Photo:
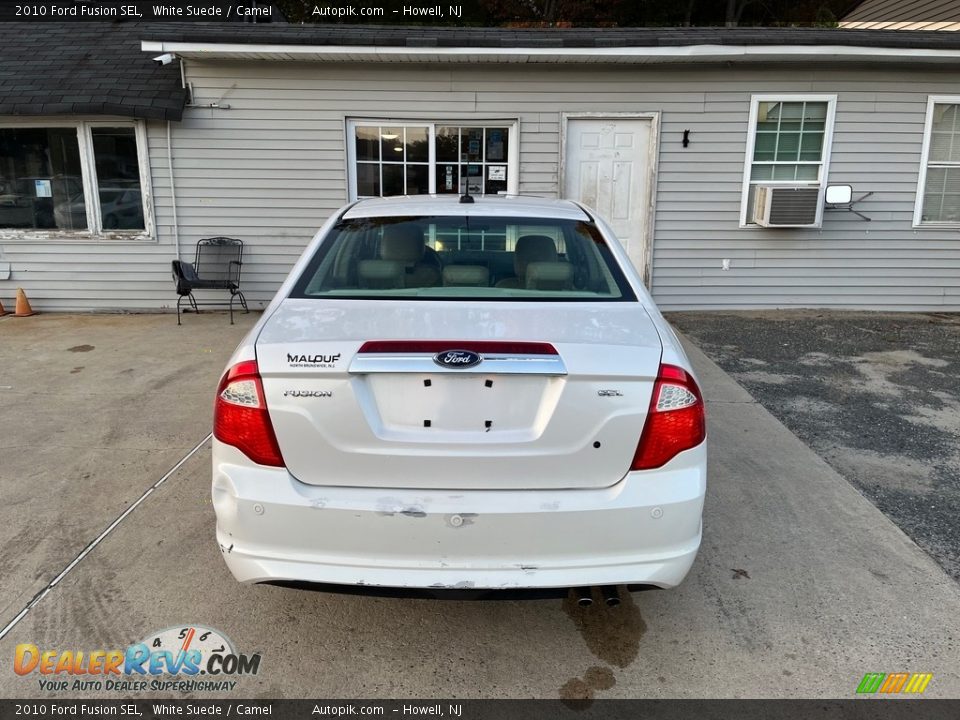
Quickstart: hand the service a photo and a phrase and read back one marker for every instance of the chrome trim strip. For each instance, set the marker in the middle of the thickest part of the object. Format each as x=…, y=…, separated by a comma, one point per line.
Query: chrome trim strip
x=493, y=364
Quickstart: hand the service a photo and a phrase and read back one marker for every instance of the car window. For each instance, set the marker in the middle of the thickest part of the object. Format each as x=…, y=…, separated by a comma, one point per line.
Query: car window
x=464, y=258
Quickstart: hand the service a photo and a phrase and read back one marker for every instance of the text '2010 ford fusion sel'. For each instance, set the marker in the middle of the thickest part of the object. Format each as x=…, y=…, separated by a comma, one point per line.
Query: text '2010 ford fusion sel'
x=448, y=395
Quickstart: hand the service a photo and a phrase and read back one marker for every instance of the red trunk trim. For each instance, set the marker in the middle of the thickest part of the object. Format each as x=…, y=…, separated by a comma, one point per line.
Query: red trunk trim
x=492, y=347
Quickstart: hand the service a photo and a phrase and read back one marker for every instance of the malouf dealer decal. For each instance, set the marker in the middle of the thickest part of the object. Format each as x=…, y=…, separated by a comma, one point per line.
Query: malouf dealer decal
x=312, y=361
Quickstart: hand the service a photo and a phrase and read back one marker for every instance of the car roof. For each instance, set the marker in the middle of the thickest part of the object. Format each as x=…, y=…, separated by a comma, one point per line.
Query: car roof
x=483, y=206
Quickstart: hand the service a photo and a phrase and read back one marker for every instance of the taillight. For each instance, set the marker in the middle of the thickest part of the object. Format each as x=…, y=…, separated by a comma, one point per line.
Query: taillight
x=675, y=421
x=240, y=416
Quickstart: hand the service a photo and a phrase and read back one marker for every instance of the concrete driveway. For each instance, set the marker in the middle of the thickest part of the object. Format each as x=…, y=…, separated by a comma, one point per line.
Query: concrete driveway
x=801, y=587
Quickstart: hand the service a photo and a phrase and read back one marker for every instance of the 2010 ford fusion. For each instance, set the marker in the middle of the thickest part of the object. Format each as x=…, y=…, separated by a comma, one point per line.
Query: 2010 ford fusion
x=460, y=394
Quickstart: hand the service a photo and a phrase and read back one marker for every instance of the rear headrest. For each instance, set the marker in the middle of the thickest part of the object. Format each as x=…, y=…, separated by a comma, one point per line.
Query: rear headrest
x=380, y=274
x=402, y=242
x=466, y=276
x=549, y=276
x=533, y=248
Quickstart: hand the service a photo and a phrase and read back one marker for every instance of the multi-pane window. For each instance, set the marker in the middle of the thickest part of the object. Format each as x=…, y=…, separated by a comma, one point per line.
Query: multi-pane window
x=392, y=160
x=413, y=158
x=45, y=184
x=473, y=158
x=940, y=196
x=789, y=144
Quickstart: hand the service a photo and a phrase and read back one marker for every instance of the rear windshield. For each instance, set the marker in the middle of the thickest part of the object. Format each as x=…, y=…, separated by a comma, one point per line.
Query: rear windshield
x=464, y=258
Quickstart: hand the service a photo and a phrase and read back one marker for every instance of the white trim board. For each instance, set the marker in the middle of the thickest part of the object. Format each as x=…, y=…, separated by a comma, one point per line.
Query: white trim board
x=932, y=101
x=695, y=53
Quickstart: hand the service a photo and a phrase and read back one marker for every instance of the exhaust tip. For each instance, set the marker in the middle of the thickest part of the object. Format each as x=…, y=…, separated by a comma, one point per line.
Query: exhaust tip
x=611, y=595
x=584, y=597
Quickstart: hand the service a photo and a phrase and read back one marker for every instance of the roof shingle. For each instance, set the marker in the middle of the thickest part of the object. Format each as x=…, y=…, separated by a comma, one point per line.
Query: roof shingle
x=84, y=68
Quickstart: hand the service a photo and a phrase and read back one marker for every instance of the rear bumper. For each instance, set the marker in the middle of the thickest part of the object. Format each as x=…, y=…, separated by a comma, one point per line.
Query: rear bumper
x=643, y=530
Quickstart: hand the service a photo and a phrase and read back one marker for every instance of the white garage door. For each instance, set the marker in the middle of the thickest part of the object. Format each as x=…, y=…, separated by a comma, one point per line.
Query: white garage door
x=608, y=168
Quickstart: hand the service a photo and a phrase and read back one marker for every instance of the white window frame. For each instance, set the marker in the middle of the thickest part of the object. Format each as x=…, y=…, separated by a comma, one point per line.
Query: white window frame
x=513, y=151
x=755, y=101
x=91, y=192
x=932, y=102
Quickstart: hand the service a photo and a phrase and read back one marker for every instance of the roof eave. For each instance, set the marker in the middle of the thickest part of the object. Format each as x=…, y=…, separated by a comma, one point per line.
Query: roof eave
x=684, y=53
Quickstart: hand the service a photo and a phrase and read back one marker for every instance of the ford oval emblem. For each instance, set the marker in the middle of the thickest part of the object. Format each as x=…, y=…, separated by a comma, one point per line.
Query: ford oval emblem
x=457, y=359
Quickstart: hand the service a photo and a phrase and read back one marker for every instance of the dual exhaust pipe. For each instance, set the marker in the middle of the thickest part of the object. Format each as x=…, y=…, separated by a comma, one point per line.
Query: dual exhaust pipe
x=609, y=593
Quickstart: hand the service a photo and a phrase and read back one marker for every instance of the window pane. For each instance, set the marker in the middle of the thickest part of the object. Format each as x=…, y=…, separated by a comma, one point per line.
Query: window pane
x=788, y=146
x=945, y=118
x=118, y=178
x=368, y=180
x=811, y=146
x=764, y=146
x=769, y=126
x=472, y=144
x=808, y=172
x=761, y=172
x=784, y=172
x=448, y=178
x=40, y=180
x=814, y=111
x=417, y=150
x=368, y=143
x=392, y=180
x=768, y=116
x=448, y=144
x=496, y=150
x=496, y=179
x=944, y=140
x=941, y=147
x=418, y=179
x=472, y=176
x=391, y=144
x=941, y=201
x=791, y=111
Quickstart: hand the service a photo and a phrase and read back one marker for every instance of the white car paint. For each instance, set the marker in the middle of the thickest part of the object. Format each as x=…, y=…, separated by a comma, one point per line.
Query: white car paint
x=542, y=498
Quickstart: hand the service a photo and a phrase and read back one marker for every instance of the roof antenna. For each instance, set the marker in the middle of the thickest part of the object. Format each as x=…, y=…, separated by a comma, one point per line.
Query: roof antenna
x=466, y=198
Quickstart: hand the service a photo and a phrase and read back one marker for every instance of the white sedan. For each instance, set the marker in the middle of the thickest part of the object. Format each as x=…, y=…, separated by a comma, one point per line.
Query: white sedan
x=450, y=394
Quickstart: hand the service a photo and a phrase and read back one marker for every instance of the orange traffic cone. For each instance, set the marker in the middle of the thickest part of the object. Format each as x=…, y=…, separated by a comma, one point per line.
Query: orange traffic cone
x=3, y=311
x=23, y=308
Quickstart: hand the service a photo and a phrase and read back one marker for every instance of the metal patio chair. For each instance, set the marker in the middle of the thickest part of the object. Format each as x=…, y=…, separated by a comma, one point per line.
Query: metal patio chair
x=217, y=266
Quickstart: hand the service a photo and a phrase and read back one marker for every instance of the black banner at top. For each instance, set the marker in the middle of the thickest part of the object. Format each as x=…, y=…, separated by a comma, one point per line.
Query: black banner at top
x=246, y=11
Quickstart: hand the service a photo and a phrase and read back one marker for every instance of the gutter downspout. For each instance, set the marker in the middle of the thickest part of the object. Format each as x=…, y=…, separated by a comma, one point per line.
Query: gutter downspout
x=173, y=193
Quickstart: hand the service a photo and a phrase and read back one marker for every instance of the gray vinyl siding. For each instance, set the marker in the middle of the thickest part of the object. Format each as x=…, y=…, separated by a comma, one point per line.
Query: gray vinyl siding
x=272, y=167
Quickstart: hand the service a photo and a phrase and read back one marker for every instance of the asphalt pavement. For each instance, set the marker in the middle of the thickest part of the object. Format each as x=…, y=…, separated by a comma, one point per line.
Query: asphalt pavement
x=876, y=395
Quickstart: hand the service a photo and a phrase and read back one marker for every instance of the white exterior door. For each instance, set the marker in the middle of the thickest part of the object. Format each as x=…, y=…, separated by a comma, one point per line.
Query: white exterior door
x=608, y=168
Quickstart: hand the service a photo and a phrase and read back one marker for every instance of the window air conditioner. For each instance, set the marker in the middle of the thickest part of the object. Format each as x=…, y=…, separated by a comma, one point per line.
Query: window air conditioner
x=786, y=205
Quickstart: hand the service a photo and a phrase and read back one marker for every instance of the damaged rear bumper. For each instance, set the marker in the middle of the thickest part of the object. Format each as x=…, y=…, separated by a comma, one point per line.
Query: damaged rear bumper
x=643, y=530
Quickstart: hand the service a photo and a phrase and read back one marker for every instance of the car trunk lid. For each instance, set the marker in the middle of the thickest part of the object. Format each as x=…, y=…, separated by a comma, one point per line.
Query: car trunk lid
x=533, y=395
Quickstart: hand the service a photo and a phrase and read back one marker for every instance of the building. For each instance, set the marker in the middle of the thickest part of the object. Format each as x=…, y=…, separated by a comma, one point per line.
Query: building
x=112, y=164
x=904, y=15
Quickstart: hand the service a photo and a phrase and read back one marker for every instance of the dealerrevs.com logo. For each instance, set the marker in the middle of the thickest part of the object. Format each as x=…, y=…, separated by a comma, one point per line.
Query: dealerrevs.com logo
x=188, y=658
